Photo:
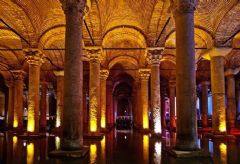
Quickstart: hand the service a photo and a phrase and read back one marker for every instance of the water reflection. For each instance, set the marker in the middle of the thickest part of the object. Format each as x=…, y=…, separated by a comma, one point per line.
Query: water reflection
x=127, y=148
x=93, y=153
x=157, y=152
x=30, y=153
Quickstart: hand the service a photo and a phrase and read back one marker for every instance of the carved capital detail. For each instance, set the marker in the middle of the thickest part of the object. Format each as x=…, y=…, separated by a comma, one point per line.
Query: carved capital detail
x=34, y=57
x=183, y=6
x=18, y=74
x=104, y=74
x=94, y=55
x=74, y=6
x=144, y=73
x=154, y=56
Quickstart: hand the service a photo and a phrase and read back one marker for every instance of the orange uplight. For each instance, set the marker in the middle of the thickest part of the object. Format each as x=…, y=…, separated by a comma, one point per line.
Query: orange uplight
x=93, y=114
x=15, y=123
x=31, y=121
x=30, y=153
x=223, y=152
x=145, y=148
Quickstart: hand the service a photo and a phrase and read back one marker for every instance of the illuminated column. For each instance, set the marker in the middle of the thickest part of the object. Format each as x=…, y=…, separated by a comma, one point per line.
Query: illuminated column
x=163, y=110
x=43, y=118
x=218, y=94
x=154, y=60
x=231, y=102
x=185, y=75
x=18, y=99
x=104, y=75
x=144, y=75
x=10, y=112
x=60, y=93
x=73, y=76
x=85, y=109
x=172, y=90
x=94, y=90
x=35, y=60
x=204, y=103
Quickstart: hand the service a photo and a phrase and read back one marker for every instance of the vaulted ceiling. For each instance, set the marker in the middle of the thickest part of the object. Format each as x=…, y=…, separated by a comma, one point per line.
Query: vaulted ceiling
x=122, y=28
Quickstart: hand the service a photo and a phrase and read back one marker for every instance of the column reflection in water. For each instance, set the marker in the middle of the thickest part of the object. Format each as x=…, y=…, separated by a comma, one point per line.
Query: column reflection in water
x=103, y=146
x=145, y=149
x=157, y=152
x=223, y=153
x=57, y=142
x=93, y=153
x=15, y=140
x=30, y=153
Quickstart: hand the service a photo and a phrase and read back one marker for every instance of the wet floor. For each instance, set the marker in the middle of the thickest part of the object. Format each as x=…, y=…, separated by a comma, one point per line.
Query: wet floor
x=117, y=147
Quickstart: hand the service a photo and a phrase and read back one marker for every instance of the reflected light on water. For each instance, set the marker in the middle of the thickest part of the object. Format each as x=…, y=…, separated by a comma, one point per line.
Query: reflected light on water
x=30, y=153
x=57, y=142
x=145, y=148
x=223, y=152
x=157, y=152
x=103, y=145
x=15, y=139
x=93, y=153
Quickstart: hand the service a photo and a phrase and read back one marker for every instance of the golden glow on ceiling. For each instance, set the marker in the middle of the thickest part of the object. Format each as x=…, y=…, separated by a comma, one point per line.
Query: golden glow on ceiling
x=236, y=41
x=123, y=59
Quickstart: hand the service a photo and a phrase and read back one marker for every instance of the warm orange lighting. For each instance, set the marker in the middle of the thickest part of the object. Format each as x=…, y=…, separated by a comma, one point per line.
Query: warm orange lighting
x=103, y=145
x=146, y=148
x=223, y=152
x=93, y=114
x=57, y=143
x=103, y=120
x=15, y=123
x=93, y=153
x=58, y=119
x=30, y=153
x=222, y=119
x=145, y=121
x=31, y=122
x=15, y=139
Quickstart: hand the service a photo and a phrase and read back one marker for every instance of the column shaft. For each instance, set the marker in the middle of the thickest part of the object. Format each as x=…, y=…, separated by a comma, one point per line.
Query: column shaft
x=73, y=77
x=155, y=99
x=231, y=102
x=10, y=112
x=204, y=104
x=218, y=94
x=33, y=98
x=185, y=77
x=94, y=96
x=104, y=75
x=172, y=88
x=109, y=104
x=43, y=118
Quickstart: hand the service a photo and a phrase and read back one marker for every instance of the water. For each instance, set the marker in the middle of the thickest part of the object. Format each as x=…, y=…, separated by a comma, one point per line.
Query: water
x=117, y=147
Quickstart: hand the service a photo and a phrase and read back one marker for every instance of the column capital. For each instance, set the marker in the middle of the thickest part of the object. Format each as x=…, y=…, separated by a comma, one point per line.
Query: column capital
x=104, y=74
x=94, y=54
x=207, y=83
x=154, y=55
x=18, y=74
x=144, y=73
x=216, y=52
x=58, y=73
x=34, y=56
x=231, y=72
x=172, y=83
x=183, y=6
x=9, y=83
x=71, y=5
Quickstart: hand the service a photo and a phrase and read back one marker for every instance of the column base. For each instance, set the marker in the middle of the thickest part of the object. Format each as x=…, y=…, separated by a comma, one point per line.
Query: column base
x=93, y=136
x=145, y=131
x=70, y=154
x=220, y=136
x=188, y=154
x=105, y=130
x=156, y=135
x=32, y=135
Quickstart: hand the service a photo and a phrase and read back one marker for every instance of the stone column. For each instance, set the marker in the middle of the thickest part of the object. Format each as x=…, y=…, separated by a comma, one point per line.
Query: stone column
x=43, y=118
x=35, y=60
x=94, y=90
x=172, y=90
x=60, y=94
x=185, y=75
x=218, y=95
x=163, y=111
x=18, y=99
x=103, y=75
x=231, y=102
x=144, y=76
x=238, y=97
x=204, y=103
x=85, y=110
x=154, y=60
x=73, y=76
x=10, y=111
x=110, y=104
